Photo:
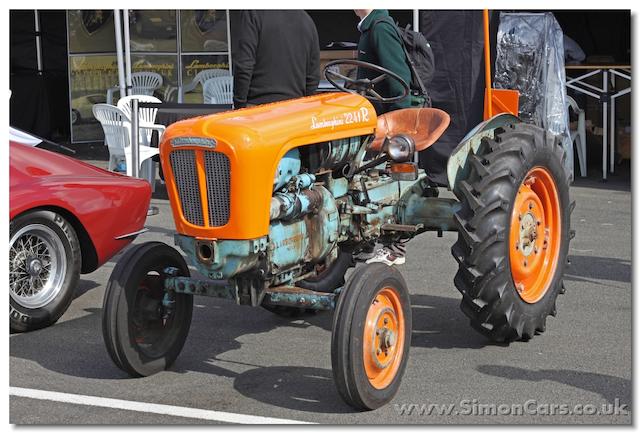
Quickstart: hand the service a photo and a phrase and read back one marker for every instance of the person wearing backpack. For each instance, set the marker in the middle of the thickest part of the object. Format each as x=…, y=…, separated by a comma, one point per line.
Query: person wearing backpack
x=383, y=44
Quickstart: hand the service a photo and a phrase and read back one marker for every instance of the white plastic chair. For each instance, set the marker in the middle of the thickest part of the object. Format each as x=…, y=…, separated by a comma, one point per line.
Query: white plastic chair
x=579, y=135
x=218, y=90
x=200, y=78
x=146, y=116
x=142, y=83
x=117, y=136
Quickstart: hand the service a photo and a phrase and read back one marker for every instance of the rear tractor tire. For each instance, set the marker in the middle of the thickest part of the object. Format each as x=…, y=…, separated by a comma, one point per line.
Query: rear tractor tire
x=513, y=232
x=371, y=336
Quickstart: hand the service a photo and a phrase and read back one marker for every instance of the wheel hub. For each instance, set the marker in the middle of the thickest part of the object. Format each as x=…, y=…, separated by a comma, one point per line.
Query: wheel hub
x=383, y=338
x=34, y=267
x=528, y=233
x=388, y=339
x=534, y=235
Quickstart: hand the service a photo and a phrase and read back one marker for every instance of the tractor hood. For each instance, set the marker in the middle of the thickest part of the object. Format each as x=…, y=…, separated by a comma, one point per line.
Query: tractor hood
x=253, y=141
x=289, y=123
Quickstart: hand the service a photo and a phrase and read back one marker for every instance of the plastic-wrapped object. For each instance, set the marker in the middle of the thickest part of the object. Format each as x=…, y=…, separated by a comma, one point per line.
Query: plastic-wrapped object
x=530, y=59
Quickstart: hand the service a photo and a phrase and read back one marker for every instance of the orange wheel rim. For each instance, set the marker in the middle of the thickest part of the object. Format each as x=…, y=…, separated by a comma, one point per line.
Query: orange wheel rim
x=383, y=340
x=534, y=239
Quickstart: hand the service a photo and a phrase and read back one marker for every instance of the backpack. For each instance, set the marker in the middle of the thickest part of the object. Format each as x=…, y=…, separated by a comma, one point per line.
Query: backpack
x=419, y=55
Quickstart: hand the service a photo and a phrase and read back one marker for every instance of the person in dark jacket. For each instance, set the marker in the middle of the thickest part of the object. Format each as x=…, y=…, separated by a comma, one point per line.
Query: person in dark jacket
x=276, y=56
x=381, y=45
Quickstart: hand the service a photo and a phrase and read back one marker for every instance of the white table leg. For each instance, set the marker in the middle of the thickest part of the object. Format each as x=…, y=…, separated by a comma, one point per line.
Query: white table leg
x=612, y=137
x=605, y=115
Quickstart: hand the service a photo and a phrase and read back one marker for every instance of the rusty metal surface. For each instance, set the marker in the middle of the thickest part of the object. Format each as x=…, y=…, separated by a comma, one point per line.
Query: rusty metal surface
x=433, y=213
x=291, y=296
x=192, y=286
x=457, y=164
x=228, y=257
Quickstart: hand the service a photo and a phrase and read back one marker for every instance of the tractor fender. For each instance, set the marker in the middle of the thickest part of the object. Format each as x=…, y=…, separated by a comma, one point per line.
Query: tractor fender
x=457, y=164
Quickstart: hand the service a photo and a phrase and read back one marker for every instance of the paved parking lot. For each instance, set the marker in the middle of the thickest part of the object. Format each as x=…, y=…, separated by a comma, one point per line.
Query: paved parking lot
x=241, y=362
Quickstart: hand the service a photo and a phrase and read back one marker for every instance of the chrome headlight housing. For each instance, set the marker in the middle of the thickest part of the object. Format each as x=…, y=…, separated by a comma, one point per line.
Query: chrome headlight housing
x=400, y=148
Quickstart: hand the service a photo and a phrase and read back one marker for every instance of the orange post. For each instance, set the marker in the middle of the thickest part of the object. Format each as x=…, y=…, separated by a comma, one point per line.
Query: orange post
x=487, y=61
x=496, y=101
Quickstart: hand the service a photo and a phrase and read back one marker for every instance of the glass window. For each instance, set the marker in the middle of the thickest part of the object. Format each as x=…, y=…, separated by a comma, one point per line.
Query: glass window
x=91, y=31
x=153, y=30
x=91, y=76
x=96, y=99
x=165, y=65
x=204, y=30
x=192, y=65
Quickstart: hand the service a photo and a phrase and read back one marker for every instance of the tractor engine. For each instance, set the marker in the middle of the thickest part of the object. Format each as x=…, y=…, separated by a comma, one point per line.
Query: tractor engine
x=314, y=212
x=304, y=218
x=281, y=198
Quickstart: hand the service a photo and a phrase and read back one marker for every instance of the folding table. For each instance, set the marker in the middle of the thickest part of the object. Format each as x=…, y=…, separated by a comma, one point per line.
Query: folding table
x=607, y=97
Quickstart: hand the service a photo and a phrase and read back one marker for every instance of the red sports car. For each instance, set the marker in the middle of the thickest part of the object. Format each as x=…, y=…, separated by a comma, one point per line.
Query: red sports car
x=66, y=218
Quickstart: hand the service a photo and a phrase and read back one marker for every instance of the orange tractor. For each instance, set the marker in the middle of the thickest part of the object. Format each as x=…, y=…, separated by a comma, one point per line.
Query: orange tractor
x=274, y=204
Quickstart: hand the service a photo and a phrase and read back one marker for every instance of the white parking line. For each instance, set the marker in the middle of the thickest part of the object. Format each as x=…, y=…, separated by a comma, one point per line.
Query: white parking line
x=137, y=406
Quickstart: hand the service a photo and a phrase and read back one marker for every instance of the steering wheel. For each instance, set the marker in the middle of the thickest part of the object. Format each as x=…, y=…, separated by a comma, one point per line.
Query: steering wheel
x=365, y=86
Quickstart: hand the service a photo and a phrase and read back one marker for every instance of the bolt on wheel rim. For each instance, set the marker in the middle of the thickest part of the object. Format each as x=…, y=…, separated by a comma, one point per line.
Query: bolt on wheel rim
x=534, y=238
x=383, y=341
x=37, y=266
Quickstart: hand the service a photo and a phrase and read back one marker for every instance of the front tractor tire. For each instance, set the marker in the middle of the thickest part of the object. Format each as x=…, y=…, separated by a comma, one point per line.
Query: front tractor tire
x=513, y=232
x=143, y=334
x=371, y=336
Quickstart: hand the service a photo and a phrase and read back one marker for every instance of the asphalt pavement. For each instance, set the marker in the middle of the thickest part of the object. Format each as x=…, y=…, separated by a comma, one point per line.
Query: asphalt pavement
x=246, y=361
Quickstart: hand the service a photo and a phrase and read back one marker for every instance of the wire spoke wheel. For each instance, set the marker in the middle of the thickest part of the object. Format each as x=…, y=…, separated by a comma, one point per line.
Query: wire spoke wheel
x=45, y=259
x=37, y=266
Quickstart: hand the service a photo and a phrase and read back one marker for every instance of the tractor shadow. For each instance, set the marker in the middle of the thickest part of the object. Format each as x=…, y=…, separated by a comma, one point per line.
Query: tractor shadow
x=607, y=386
x=75, y=348
x=439, y=323
x=72, y=347
x=306, y=389
x=594, y=269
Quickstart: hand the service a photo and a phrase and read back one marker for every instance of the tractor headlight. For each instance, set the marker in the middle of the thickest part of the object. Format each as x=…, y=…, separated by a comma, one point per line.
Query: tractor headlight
x=400, y=148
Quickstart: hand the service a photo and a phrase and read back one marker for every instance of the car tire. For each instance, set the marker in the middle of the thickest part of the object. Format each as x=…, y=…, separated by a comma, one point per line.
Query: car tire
x=44, y=267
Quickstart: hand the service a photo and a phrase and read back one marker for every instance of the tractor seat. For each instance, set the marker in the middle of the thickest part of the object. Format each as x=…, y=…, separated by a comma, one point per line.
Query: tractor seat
x=423, y=125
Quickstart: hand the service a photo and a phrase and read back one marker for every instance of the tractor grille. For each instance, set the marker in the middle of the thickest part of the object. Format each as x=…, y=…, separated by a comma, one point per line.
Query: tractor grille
x=217, y=170
x=218, y=184
x=183, y=165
